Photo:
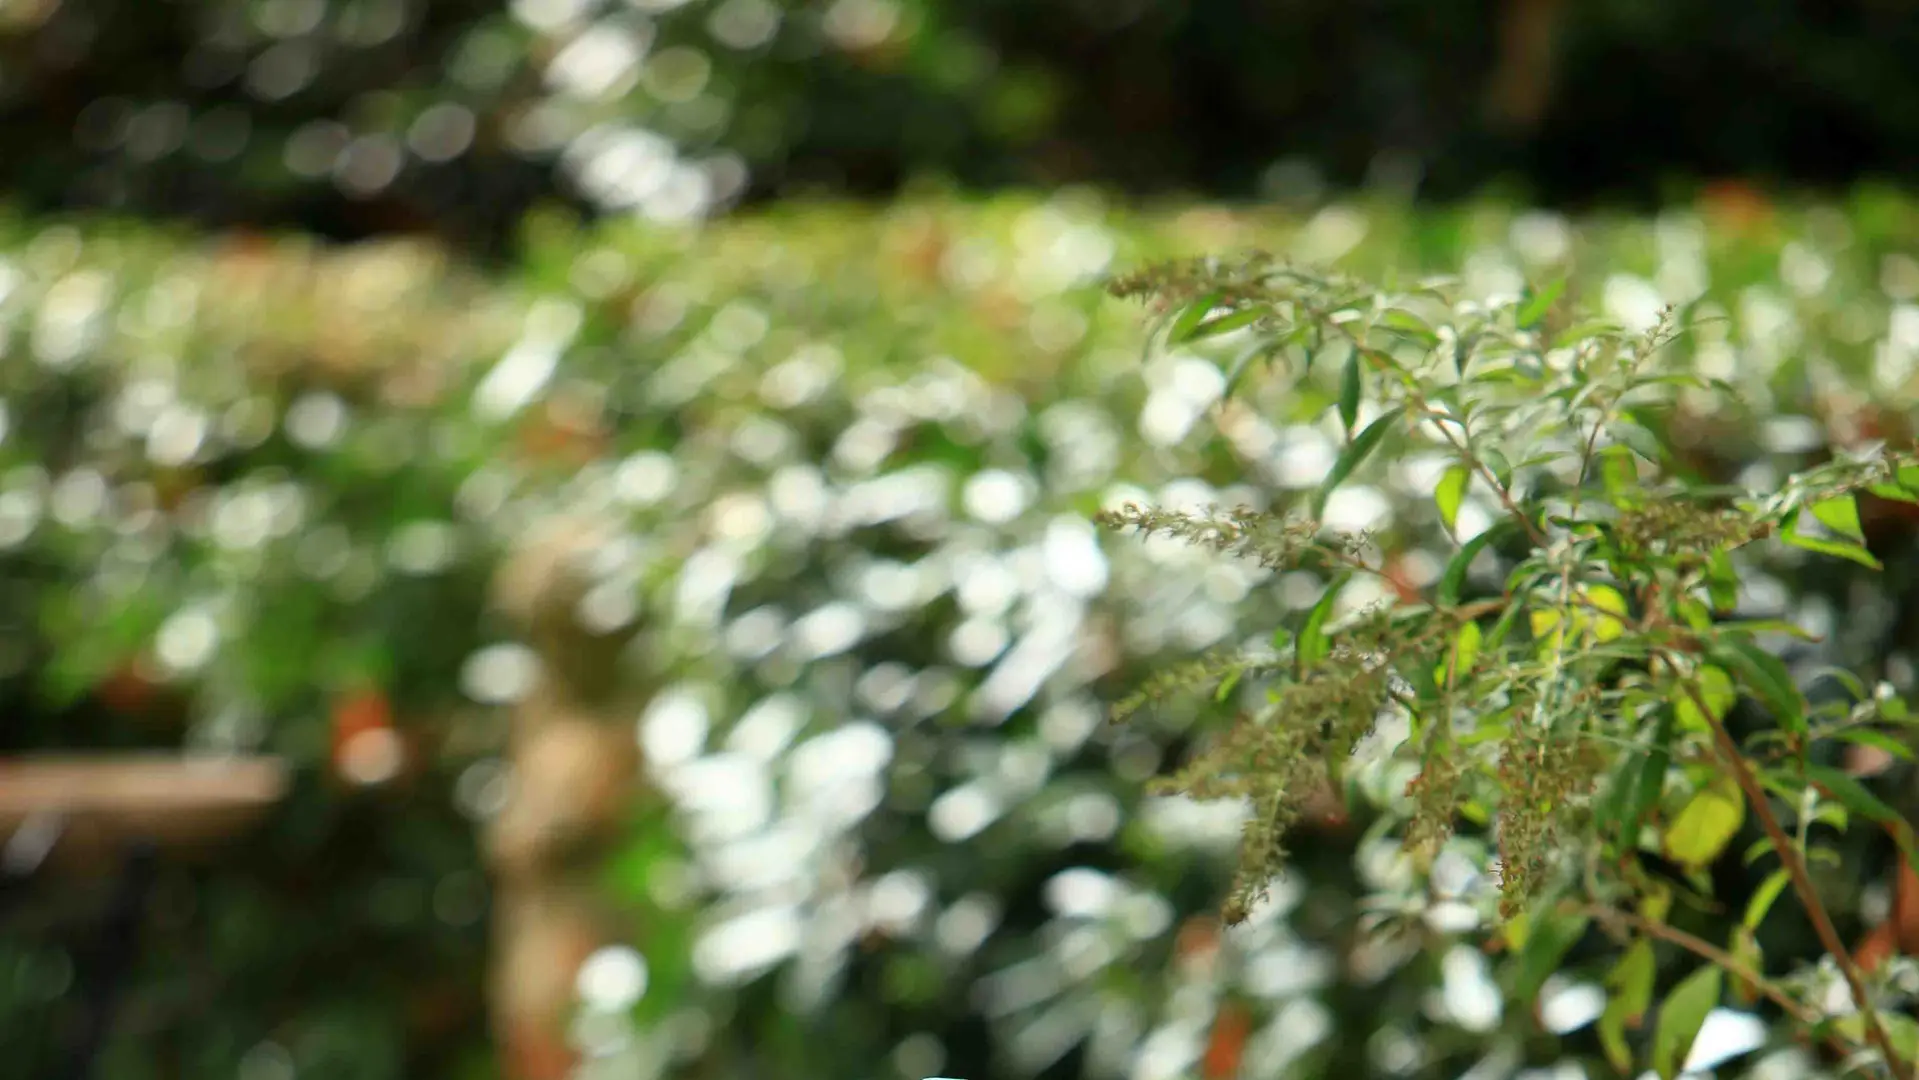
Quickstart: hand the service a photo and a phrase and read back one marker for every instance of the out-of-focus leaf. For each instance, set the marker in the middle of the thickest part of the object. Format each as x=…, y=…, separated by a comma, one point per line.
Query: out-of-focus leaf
x=1681, y=1017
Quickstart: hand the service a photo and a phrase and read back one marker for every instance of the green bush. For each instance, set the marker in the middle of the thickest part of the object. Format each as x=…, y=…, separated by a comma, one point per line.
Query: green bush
x=1562, y=728
x=854, y=455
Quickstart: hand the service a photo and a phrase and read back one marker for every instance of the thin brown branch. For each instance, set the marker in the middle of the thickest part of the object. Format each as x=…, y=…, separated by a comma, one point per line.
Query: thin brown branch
x=1801, y=881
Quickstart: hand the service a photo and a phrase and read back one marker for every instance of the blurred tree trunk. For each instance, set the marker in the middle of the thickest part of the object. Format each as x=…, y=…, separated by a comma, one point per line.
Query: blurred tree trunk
x=573, y=762
x=1522, y=84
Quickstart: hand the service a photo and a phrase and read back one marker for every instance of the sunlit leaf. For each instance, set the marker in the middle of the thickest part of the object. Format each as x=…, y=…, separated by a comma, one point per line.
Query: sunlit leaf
x=1841, y=515
x=1706, y=824
x=1450, y=492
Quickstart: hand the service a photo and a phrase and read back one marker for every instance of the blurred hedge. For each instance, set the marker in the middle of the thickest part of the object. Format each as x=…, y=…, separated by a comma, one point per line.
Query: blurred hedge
x=250, y=493
x=365, y=117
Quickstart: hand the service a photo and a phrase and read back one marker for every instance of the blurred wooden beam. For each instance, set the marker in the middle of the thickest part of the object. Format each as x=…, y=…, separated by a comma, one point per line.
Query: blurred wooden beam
x=81, y=812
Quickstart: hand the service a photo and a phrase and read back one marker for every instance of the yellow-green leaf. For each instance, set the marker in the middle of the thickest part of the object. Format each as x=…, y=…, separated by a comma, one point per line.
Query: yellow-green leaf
x=1606, y=598
x=1681, y=1017
x=1465, y=650
x=1545, y=624
x=1706, y=824
x=1450, y=493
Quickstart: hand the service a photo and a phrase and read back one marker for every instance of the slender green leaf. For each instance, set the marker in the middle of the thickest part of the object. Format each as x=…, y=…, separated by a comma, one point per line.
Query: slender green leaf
x=1454, y=579
x=1366, y=442
x=1836, y=548
x=1189, y=319
x=1312, y=642
x=1227, y=323
x=1349, y=387
x=1681, y=1017
x=1852, y=794
x=1762, y=898
x=1451, y=492
x=1537, y=304
x=1878, y=740
x=1765, y=677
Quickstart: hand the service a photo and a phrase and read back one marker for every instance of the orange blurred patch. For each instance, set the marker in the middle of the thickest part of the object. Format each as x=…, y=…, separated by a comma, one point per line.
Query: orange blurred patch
x=1736, y=206
x=1227, y=1045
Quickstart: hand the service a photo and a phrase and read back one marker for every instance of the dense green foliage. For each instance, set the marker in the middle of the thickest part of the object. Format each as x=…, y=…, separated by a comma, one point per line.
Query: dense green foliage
x=362, y=117
x=250, y=493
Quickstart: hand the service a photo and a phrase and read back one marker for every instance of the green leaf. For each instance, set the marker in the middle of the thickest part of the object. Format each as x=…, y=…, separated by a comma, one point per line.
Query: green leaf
x=1189, y=319
x=1841, y=515
x=1227, y=686
x=1226, y=323
x=1313, y=644
x=1902, y=1031
x=1706, y=824
x=1638, y=440
x=1460, y=659
x=1451, y=492
x=1364, y=444
x=1349, y=387
x=1680, y=1018
x=1652, y=776
x=1618, y=469
x=1763, y=897
x=1878, y=740
x=1835, y=548
x=1895, y=492
x=1630, y=986
x=1764, y=676
x=1454, y=579
x=1537, y=304
x=1545, y=947
x=1401, y=321
x=1852, y=794
x=1722, y=581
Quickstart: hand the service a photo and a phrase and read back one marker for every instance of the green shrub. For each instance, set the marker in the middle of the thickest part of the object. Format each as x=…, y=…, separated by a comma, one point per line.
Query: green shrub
x=1578, y=718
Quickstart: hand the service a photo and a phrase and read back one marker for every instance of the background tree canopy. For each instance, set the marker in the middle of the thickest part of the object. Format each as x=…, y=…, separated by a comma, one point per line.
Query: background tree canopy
x=356, y=117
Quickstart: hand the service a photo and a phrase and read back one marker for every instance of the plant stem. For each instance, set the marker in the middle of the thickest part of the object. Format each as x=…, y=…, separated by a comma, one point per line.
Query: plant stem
x=1801, y=881
x=1705, y=950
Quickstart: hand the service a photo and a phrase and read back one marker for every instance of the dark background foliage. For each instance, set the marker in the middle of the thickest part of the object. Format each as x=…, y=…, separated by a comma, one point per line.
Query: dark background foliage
x=187, y=107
